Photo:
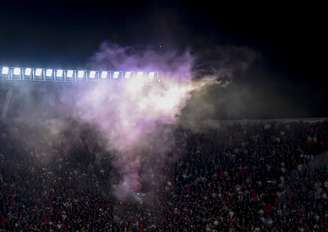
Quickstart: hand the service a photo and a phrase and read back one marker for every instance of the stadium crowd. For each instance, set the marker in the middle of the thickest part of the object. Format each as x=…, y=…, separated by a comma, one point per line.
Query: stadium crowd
x=244, y=176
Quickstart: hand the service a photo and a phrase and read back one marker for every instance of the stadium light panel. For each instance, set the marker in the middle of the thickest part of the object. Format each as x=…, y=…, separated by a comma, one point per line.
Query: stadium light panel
x=49, y=72
x=92, y=74
x=116, y=75
x=140, y=74
x=104, y=75
x=5, y=70
x=28, y=72
x=80, y=74
x=38, y=72
x=151, y=75
x=17, y=71
x=59, y=73
x=127, y=75
x=70, y=73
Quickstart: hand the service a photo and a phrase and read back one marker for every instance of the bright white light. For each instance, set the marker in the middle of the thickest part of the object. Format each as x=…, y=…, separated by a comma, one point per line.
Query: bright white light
x=70, y=73
x=103, y=74
x=80, y=74
x=59, y=73
x=28, y=72
x=49, y=72
x=151, y=75
x=116, y=75
x=38, y=72
x=127, y=75
x=5, y=70
x=92, y=74
x=17, y=71
x=140, y=74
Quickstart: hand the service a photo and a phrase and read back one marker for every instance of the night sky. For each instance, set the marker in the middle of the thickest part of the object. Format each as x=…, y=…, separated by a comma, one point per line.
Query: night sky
x=289, y=37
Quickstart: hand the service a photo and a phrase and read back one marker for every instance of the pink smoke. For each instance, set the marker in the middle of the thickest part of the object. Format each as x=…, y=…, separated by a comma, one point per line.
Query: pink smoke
x=130, y=112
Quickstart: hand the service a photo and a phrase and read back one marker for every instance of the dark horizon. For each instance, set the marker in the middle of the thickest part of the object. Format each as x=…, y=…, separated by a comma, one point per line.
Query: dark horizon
x=288, y=78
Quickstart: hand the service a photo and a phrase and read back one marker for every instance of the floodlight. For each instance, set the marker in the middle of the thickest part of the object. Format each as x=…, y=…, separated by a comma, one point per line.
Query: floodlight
x=116, y=75
x=151, y=75
x=16, y=71
x=80, y=74
x=38, y=72
x=127, y=75
x=140, y=74
x=28, y=72
x=92, y=74
x=104, y=75
x=70, y=73
x=5, y=70
x=59, y=73
x=49, y=72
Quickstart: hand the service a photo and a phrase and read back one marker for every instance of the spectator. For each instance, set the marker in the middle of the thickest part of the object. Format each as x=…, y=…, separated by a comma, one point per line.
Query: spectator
x=241, y=177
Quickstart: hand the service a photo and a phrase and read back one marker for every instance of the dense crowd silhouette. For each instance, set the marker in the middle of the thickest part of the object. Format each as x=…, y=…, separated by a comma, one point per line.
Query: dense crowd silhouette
x=242, y=176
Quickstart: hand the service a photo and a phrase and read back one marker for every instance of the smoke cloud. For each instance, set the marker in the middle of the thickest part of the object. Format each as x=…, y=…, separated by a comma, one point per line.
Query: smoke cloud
x=133, y=114
x=135, y=117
